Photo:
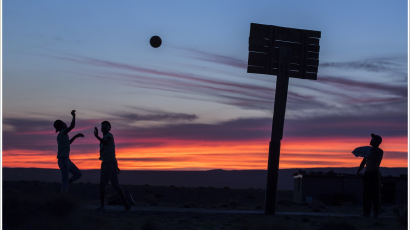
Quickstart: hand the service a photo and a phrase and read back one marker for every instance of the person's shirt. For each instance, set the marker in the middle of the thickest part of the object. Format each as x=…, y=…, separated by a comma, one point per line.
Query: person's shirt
x=107, y=148
x=374, y=159
x=63, y=143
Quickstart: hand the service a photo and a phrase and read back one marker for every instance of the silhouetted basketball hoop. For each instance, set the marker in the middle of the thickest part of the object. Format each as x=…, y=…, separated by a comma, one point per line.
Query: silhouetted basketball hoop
x=285, y=52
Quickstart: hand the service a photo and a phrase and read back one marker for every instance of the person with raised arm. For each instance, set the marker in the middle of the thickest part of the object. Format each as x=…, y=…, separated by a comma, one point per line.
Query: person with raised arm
x=63, y=153
x=109, y=165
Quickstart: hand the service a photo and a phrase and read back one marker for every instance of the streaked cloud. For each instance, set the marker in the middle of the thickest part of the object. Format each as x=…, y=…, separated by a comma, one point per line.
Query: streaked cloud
x=253, y=94
x=156, y=116
x=245, y=95
x=216, y=58
x=393, y=65
x=245, y=129
x=383, y=89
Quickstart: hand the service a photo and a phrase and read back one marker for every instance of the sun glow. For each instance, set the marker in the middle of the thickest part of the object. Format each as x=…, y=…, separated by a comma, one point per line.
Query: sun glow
x=205, y=155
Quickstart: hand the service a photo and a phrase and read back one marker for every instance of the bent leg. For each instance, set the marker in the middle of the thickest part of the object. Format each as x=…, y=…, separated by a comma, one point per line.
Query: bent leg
x=75, y=171
x=63, y=165
x=115, y=184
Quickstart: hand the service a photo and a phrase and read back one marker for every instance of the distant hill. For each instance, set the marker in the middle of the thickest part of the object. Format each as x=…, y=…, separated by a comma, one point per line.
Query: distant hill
x=213, y=178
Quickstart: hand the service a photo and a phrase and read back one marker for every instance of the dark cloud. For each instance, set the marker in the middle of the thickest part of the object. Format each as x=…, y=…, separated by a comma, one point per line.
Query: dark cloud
x=382, y=88
x=27, y=125
x=234, y=130
x=36, y=134
x=246, y=129
x=39, y=134
x=382, y=64
x=158, y=117
x=156, y=159
x=351, y=125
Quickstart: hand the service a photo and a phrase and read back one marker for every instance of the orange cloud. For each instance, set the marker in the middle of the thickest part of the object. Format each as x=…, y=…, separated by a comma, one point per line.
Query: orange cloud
x=204, y=155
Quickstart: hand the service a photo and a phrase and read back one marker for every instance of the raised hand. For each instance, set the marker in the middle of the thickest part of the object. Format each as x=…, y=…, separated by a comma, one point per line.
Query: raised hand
x=80, y=135
x=71, y=127
x=95, y=131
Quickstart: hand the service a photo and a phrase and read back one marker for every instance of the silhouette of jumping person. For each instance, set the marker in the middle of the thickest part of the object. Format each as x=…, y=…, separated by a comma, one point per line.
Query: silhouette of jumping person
x=63, y=154
x=109, y=165
x=372, y=177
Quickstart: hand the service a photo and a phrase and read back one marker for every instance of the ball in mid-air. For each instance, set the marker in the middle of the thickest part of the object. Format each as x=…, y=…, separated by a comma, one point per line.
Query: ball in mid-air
x=155, y=41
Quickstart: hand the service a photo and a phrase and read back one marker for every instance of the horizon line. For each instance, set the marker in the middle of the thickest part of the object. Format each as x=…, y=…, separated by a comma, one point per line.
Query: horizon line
x=204, y=170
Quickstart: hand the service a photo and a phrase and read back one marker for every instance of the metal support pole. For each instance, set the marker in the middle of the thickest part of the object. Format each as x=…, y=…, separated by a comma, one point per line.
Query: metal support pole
x=281, y=93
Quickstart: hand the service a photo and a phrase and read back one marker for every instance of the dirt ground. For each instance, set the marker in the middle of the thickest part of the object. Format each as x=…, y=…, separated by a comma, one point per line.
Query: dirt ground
x=37, y=205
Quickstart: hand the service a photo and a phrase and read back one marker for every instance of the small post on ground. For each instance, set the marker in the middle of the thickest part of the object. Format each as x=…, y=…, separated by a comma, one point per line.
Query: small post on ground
x=285, y=52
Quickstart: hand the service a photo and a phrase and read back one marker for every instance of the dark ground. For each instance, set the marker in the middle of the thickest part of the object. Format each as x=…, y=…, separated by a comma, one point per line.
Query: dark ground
x=238, y=179
x=38, y=205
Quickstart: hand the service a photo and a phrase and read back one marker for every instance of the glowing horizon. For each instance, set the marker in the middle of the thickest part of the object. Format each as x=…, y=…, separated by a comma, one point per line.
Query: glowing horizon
x=192, y=155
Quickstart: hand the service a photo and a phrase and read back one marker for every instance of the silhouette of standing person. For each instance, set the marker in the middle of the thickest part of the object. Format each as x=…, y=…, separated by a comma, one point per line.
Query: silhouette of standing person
x=63, y=153
x=372, y=177
x=109, y=165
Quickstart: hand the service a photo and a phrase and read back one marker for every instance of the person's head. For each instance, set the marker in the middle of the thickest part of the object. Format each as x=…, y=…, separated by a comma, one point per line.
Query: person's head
x=105, y=126
x=59, y=125
x=376, y=140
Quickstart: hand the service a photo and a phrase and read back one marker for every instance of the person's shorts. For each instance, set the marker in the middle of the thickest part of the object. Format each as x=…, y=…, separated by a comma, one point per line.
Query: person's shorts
x=109, y=171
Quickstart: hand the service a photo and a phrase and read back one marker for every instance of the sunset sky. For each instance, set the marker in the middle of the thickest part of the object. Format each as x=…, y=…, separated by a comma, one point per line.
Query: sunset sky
x=190, y=104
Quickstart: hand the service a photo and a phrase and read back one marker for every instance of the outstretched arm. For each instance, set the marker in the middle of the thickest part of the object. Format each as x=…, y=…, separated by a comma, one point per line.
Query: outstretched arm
x=71, y=127
x=361, y=165
x=75, y=137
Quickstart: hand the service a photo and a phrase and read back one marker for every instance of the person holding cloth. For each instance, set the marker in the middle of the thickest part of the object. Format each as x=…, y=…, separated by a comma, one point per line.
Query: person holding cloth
x=372, y=177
